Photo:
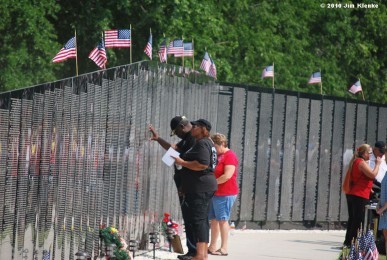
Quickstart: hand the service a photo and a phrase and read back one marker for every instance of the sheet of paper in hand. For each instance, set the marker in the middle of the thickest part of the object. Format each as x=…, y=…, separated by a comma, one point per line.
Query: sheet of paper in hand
x=168, y=159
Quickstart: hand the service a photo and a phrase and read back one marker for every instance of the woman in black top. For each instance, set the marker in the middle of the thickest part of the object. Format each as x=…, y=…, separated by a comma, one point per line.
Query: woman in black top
x=199, y=184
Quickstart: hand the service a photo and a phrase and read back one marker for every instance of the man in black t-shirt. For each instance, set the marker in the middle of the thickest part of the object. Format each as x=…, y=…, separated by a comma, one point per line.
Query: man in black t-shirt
x=181, y=127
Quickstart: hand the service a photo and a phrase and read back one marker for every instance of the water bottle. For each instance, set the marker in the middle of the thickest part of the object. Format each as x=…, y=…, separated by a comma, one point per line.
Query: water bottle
x=232, y=228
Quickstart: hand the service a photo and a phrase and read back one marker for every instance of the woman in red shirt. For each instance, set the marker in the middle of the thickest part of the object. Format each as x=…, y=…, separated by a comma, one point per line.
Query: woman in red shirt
x=224, y=197
x=359, y=194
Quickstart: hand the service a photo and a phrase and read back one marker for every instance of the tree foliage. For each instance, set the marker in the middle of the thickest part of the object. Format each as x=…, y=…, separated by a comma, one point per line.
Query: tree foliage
x=243, y=37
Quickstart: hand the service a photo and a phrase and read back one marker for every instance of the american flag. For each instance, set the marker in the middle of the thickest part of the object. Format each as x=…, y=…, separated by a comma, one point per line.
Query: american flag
x=355, y=87
x=188, y=50
x=118, y=38
x=68, y=51
x=163, y=51
x=362, y=243
x=206, y=63
x=268, y=72
x=353, y=253
x=148, y=47
x=371, y=252
x=176, y=47
x=212, y=71
x=315, y=78
x=98, y=55
x=46, y=255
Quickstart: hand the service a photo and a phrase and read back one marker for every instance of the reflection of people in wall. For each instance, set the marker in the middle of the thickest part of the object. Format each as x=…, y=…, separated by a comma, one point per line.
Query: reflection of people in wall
x=358, y=196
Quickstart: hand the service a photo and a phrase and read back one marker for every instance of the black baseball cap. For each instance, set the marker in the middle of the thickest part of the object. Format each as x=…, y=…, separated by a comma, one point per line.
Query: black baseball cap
x=176, y=121
x=202, y=122
x=381, y=146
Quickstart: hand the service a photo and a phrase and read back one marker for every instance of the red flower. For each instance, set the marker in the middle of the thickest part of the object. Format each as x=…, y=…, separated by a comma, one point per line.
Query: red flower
x=166, y=215
x=174, y=225
x=166, y=220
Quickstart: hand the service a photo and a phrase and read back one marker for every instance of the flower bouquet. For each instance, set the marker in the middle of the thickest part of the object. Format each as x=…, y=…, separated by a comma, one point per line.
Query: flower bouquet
x=110, y=236
x=169, y=227
x=170, y=231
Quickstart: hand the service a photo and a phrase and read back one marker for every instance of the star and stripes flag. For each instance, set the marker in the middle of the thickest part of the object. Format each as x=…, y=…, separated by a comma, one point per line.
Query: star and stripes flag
x=98, y=55
x=68, y=51
x=120, y=38
x=46, y=255
x=163, y=51
x=268, y=72
x=353, y=254
x=148, y=47
x=187, y=51
x=206, y=63
x=355, y=87
x=371, y=251
x=212, y=71
x=176, y=47
x=315, y=78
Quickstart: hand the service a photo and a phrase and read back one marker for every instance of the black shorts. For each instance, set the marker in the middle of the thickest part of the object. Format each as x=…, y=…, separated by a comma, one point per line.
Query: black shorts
x=196, y=207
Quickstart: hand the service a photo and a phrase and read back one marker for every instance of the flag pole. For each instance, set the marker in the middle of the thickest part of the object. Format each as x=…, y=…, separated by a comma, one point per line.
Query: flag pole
x=193, y=55
x=273, y=75
x=182, y=41
x=150, y=32
x=131, y=43
x=103, y=41
x=362, y=93
x=166, y=56
x=76, y=54
x=320, y=82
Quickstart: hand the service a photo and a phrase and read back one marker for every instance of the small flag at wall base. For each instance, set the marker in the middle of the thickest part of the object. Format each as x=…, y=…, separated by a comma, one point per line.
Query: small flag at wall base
x=46, y=255
x=268, y=72
x=68, y=51
x=315, y=78
x=355, y=87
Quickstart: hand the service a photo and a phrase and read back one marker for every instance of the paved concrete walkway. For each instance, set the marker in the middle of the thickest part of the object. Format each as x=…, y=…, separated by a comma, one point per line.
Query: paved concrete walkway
x=275, y=244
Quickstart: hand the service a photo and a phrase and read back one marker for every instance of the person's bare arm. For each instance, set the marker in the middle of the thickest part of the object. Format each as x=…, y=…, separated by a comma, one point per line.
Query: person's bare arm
x=192, y=165
x=228, y=172
x=161, y=141
x=366, y=169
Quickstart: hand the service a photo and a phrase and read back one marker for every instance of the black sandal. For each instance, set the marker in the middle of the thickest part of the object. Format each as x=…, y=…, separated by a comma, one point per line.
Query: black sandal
x=221, y=253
